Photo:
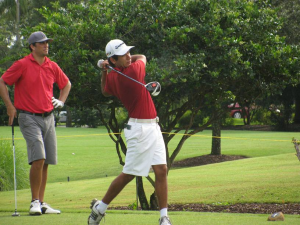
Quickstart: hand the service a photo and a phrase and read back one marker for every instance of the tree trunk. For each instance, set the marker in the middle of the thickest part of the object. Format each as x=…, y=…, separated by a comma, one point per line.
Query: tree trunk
x=141, y=194
x=69, y=117
x=154, y=202
x=216, y=139
x=18, y=23
x=297, y=105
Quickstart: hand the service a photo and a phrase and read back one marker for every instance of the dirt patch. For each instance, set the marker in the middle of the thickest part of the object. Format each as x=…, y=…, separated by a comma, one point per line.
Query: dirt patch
x=250, y=127
x=254, y=208
x=290, y=128
x=206, y=159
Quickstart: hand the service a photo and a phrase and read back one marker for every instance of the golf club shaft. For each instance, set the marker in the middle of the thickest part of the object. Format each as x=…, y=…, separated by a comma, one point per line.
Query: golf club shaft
x=15, y=179
x=137, y=193
x=152, y=87
x=108, y=66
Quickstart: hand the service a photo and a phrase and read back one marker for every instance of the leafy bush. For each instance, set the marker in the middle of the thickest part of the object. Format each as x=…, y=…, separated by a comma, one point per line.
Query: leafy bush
x=229, y=121
x=3, y=114
x=122, y=115
x=86, y=116
x=262, y=116
x=7, y=167
x=198, y=121
x=3, y=110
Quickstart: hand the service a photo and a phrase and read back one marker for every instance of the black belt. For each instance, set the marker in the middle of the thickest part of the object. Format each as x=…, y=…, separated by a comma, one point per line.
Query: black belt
x=36, y=114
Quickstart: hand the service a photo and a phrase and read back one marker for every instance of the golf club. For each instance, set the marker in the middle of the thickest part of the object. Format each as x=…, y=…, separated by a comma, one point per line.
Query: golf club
x=153, y=87
x=137, y=193
x=15, y=179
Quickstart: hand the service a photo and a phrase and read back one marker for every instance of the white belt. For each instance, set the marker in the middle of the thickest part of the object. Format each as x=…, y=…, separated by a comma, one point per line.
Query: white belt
x=155, y=120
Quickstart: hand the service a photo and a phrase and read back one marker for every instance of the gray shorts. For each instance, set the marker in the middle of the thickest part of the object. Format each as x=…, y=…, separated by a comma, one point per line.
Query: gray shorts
x=39, y=133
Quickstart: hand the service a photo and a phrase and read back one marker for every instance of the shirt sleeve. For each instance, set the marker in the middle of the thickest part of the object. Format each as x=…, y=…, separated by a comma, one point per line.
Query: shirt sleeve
x=60, y=77
x=140, y=70
x=13, y=74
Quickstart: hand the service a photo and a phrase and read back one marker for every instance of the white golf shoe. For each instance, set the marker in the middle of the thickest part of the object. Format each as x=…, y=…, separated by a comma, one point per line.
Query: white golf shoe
x=46, y=209
x=95, y=216
x=165, y=221
x=35, y=208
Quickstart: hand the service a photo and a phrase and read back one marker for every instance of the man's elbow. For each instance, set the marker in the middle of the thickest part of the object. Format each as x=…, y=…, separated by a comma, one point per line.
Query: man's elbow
x=69, y=84
x=2, y=81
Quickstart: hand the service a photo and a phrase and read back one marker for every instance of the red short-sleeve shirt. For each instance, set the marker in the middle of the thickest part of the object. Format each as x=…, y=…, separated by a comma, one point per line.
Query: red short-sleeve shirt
x=135, y=98
x=34, y=83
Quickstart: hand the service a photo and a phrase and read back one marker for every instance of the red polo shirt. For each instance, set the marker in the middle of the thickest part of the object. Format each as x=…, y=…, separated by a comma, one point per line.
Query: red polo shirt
x=34, y=83
x=135, y=98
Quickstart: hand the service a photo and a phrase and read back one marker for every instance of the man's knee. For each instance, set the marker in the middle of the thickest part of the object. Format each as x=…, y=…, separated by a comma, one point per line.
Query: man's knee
x=160, y=170
x=127, y=177
x=38, y=164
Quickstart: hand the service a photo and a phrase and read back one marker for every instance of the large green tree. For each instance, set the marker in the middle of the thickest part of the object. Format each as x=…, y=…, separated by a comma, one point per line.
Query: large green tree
x=202, y=52
x=289, y=11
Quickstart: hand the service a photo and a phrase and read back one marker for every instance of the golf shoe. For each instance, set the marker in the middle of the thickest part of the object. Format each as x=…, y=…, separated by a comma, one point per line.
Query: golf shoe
x=95, y=216
x=35, y=208
x=46, y=209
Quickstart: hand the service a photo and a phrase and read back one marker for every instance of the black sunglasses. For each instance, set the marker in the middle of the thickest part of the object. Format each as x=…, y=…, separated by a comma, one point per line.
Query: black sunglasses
x=43, y=42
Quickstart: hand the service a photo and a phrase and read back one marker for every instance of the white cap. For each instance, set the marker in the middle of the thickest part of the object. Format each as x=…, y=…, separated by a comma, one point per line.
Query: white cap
x=116, y=47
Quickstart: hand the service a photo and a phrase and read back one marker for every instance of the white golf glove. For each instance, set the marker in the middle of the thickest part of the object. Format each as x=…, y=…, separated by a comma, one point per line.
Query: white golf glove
x=57, y=103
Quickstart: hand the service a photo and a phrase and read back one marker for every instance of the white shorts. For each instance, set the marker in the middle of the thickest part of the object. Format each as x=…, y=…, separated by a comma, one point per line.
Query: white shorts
x=145, y=147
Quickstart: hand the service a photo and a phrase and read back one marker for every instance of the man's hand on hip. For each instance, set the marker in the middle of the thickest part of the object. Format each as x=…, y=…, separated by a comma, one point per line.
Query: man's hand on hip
x=57, y=103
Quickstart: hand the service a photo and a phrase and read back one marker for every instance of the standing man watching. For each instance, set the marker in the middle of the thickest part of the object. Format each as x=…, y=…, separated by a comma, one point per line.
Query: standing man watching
x=33, y=77
x=145, y=144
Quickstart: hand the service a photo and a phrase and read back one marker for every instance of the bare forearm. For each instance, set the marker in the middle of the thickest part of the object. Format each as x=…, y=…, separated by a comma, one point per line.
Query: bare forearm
x=64, y=93
x=11, y=110
x=138, y=57
x=4, y=94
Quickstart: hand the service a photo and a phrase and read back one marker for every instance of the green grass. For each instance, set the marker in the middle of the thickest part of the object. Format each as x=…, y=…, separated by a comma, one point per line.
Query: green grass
x=266, y=179
x=95, y=156
x=271, y=175
x=146, y=218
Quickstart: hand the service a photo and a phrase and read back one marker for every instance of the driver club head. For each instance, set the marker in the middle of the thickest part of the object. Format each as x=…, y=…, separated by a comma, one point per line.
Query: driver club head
x=154, y=88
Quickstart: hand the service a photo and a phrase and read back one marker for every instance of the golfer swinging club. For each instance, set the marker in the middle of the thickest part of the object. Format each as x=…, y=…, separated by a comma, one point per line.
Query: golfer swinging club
x=145, y=144
x=33, y=77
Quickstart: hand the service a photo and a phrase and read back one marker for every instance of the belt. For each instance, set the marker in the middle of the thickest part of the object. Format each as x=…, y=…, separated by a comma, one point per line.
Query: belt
x=36, y=114
x=155, y=120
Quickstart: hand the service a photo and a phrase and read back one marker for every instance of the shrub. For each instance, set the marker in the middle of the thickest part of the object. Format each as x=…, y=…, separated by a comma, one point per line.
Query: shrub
x=229, y=121
x=198, y=121
x=7, y=167
x=263, y=117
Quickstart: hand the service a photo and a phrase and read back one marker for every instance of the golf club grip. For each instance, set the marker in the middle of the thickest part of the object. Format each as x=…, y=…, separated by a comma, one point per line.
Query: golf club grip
x=99, y=64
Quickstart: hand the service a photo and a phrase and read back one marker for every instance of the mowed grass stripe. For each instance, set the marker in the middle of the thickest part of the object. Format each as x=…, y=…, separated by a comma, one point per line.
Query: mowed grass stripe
x=272, y=179
x=147, y=218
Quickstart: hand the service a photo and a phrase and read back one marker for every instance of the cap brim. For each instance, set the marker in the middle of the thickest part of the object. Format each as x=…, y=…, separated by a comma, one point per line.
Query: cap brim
x=125, y=50
x=45, y=39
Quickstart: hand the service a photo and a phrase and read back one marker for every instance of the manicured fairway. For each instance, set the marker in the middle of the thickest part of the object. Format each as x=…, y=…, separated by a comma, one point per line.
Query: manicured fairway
x=88, y=158
x=148, y=218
